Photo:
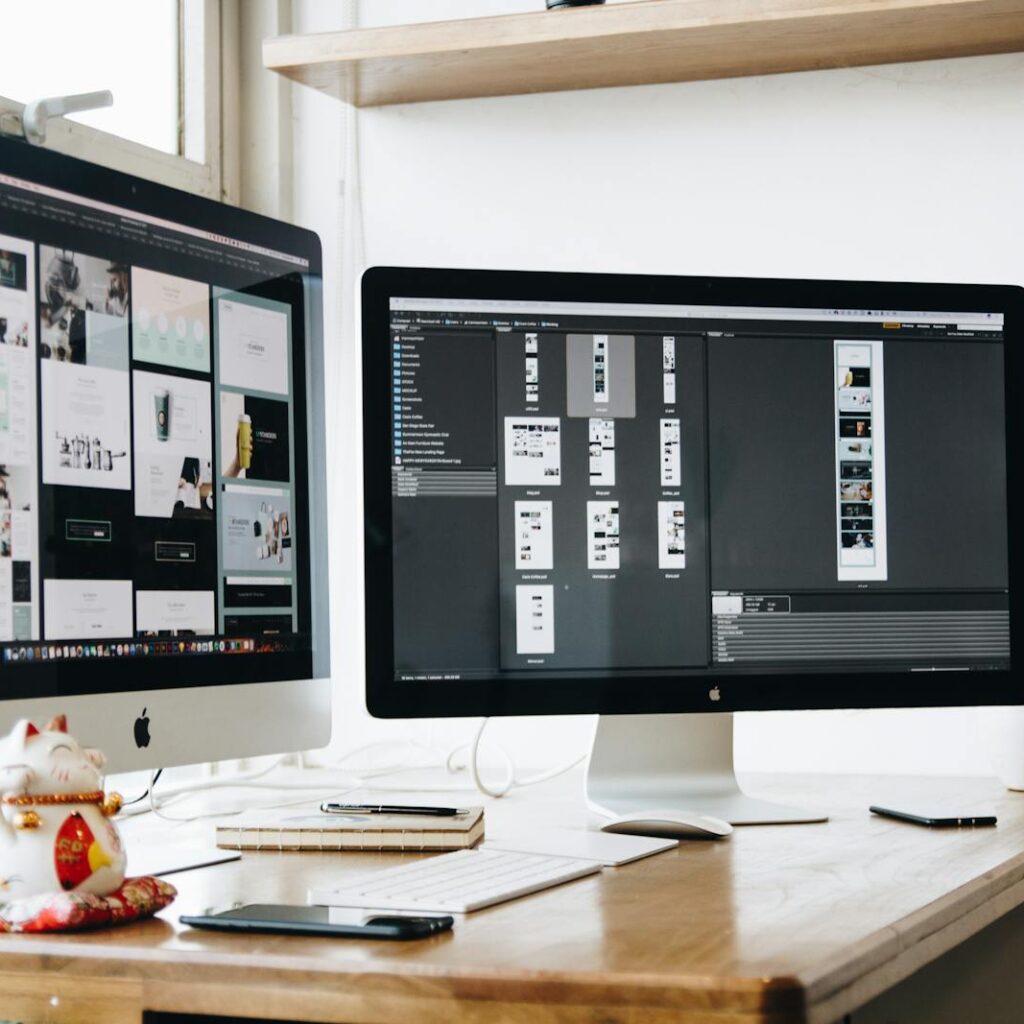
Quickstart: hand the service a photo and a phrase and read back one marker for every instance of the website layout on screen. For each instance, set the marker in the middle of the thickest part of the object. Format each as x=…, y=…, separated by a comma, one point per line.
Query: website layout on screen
x=147, y=435
x=602, y=488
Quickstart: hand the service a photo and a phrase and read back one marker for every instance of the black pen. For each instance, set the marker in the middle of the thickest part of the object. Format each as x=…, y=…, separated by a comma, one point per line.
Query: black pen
x=435, y=812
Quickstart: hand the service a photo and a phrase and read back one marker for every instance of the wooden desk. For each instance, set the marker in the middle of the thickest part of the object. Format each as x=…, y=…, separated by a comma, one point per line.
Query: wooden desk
x=780, y=923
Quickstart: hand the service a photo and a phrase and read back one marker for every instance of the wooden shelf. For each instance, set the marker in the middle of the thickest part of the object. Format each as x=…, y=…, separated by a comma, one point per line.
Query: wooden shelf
x=638, y=43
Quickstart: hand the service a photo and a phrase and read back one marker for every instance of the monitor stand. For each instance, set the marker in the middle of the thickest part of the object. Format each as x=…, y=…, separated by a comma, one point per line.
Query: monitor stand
x=681, y=762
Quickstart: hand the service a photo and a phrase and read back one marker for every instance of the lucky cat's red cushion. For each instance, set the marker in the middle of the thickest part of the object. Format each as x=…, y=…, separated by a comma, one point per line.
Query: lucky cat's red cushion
x=73, y=911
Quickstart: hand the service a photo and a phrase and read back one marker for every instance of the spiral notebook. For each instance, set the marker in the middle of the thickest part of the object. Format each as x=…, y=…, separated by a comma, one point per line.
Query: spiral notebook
x=292, y=831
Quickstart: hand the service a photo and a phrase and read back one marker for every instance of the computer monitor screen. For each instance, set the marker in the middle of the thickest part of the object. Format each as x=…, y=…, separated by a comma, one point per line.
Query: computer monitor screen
x=155, y=510
x=615, y=494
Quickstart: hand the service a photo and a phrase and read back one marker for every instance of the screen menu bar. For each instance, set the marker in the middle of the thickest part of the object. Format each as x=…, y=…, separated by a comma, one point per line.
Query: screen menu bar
x=993, y=320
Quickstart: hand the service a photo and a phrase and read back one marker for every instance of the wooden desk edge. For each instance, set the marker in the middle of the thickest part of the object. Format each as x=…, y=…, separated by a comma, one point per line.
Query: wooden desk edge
x=161, y=973
x=891, y=955
x=837, y=986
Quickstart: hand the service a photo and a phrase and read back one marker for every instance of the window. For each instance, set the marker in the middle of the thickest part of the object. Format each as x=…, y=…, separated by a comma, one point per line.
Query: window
x=161, y=61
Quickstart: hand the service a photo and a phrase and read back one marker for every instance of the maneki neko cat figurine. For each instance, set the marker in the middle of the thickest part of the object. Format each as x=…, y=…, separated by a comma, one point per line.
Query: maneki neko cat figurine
x=55, y=832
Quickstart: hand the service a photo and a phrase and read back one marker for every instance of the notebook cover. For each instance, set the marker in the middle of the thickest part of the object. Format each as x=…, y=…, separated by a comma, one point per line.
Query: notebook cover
x=295, y=831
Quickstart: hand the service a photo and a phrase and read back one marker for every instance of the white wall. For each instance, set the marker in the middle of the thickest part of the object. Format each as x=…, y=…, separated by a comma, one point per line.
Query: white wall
x=908, y=172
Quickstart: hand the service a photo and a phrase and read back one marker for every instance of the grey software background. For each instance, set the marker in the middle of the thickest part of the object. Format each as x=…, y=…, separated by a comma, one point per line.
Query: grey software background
x=438, y=540
x=639, y=619
x=772, y=464
x=770, y=482
x=946, y=467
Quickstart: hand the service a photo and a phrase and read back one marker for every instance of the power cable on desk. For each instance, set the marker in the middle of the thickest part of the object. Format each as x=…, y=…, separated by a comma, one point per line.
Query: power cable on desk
x=361, y=778
x=252, y=780
x=249, y=780
x=159, y=812
x=257, y=780
x=139, y=799
x=509, y=783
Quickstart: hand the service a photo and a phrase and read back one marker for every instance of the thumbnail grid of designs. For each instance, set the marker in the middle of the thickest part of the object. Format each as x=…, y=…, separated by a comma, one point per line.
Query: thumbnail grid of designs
x=134, y=401
x=533, y=457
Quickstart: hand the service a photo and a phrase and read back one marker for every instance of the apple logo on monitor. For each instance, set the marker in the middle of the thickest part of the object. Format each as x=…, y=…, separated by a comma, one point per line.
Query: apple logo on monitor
x=142, y=730
x=714, y=694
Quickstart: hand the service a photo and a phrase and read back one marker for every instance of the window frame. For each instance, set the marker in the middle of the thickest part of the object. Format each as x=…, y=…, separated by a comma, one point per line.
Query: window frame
x=206, y=35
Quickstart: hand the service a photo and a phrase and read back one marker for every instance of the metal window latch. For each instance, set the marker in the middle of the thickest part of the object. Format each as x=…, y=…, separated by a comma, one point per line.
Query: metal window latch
x=38, y=112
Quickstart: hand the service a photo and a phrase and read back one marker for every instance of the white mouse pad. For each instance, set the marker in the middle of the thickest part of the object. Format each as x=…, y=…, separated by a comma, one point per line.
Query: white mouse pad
x=601, y=847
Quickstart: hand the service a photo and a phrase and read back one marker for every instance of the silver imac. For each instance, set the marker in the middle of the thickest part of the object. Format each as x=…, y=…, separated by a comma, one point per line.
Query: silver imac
x=162, y=500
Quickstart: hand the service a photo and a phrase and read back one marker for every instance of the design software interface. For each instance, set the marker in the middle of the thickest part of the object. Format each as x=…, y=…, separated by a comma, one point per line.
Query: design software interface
x=583, y=488
x=147, y=434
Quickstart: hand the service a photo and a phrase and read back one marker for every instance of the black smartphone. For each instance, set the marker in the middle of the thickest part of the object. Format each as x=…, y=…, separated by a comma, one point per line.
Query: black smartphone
x=935, y=819
x=299, y=920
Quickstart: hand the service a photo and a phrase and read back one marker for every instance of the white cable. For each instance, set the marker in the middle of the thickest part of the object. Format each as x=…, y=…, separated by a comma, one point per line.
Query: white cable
x=195, y=786
x=216, y=781
x=358, y=779
x=255, y=780
x=153, y=804
x=474, y=767
x=341, y=763
x=443, y=787
x=250, y=780
x=510, y=781
x=553, y=773
x=157, y=809
x=364, y=778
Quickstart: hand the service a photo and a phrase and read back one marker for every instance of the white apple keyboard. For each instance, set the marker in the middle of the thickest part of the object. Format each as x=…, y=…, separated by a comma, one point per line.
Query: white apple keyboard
x=456, y=883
